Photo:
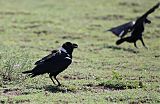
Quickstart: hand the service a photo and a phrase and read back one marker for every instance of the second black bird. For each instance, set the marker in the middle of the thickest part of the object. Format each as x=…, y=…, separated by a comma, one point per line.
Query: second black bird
x=135, y=27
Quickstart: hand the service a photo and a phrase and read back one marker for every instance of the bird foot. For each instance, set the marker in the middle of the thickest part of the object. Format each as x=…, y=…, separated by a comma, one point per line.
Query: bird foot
x=58, y=85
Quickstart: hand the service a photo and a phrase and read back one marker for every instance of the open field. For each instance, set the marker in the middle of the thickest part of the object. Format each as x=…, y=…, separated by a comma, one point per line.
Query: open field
x=101, y=72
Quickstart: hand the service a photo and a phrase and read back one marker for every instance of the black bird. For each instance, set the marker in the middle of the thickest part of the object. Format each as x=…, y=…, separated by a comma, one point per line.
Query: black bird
x=54, y=63
x=135, y=27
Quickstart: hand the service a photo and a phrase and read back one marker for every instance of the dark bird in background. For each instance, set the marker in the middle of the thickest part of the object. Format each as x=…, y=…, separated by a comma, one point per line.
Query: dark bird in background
x=54, y=63
x=135, y=27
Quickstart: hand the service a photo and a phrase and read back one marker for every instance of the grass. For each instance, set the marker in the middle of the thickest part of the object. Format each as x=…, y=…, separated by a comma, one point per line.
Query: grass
x=101, y=72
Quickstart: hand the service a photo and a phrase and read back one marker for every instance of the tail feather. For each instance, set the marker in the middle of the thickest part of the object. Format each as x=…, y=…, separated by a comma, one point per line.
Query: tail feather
x=33, y=75
x=120, y=41
x=38, y=70
x=29, y=71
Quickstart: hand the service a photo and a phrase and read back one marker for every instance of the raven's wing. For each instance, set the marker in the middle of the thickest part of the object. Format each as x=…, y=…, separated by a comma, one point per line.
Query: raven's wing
x=151, y=10
x=46, y=57
x=140, y=21
x=55, y=64
x=123, y=29
x=58, y=60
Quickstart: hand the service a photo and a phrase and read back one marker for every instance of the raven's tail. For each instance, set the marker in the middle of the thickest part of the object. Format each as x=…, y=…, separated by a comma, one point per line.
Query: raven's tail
x=25, y=72
x=35, y=71
x=120, y=41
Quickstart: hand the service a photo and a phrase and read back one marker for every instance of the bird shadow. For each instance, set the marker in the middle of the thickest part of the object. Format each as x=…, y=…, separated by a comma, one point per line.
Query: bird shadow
x=121, y=48
x=56, y=89
x=52, y=88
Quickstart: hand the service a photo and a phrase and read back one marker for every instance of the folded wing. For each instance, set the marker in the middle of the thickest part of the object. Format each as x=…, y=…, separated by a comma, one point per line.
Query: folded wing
x=46, y=57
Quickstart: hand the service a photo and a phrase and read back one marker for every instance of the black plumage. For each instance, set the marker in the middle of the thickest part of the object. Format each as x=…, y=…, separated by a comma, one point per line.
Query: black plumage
x=54, y=63
x=135, y=27
x=123, y=29
x=46, y=57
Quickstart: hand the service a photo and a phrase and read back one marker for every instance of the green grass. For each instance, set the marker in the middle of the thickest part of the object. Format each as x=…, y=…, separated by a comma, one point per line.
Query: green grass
x=101, y=72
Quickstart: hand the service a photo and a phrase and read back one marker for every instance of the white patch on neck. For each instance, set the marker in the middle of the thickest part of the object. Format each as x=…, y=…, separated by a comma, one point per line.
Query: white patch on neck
x=62, y=49
x=133, y=22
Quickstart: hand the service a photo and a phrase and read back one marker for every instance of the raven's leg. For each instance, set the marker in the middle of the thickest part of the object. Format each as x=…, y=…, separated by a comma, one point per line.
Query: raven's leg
x=135, y=44
x=57, y=81
x=141, y=39
x=50, y=75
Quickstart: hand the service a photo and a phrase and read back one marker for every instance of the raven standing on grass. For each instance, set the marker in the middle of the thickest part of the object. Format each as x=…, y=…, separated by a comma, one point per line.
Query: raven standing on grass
x=135, y=27
x=54, y=63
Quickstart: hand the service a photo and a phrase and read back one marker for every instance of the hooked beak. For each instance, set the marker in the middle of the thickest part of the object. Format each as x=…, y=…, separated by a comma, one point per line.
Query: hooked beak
x=75, y=45
x=147, y=21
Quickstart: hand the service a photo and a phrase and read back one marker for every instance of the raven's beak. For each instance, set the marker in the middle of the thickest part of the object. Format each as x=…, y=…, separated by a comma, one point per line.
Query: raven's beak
x=75, y=45
x=147, y=21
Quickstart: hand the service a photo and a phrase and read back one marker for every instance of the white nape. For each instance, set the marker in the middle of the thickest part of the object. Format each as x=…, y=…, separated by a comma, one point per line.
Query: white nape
x=133, y=22
x=62, y=49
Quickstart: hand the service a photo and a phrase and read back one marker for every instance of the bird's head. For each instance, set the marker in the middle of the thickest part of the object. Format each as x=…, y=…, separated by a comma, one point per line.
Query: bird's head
x=68, y=47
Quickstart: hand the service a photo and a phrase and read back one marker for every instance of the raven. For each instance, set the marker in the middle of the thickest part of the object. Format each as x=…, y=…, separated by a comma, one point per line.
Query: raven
x=54, y=63
x=135, y=27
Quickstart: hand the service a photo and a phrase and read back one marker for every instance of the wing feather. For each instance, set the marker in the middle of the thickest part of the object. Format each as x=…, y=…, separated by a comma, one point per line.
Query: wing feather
x=151, y=10
x=46, y=57
x=123, y=29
